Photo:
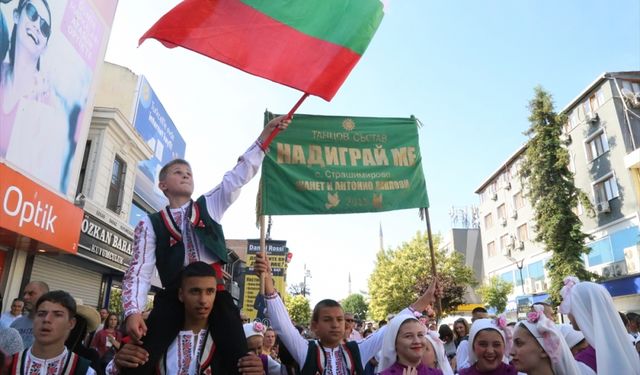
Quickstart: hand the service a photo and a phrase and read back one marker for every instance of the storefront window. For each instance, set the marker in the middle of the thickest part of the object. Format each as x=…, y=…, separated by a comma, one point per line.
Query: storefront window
x=536, y=271
x=611, y=248
x=136, y=214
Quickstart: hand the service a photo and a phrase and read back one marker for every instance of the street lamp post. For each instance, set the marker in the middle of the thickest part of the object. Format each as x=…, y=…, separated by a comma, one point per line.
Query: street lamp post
x=520, y=265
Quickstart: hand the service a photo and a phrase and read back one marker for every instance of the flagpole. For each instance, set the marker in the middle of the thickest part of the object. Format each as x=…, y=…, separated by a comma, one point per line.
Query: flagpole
x=267, y=142
x=433, y=258
x=263, y=251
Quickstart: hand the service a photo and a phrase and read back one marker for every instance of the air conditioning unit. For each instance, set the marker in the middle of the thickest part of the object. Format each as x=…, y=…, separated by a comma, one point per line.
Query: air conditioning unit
x=506, y=251
x=503, y=222
x=494, y=197
x=632, y=259
x=528, y=287
x=520, y=245
x=514, y=214
x=508, y=186
x=593, y=119
x=614, y=270
x=632, y=99
x=603, y=207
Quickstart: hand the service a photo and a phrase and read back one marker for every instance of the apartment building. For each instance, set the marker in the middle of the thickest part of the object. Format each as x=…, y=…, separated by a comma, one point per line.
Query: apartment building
x=603, y=139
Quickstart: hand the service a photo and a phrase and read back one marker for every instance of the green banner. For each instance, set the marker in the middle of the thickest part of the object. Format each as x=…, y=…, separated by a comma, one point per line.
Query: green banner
x=338, y=165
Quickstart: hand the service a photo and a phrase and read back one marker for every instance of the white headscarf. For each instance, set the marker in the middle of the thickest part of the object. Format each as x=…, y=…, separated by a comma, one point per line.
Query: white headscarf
x=389, y=355
x=571, y=336
x=552, y=341
x=438, y=347
x=592, y=308
x=498, y=324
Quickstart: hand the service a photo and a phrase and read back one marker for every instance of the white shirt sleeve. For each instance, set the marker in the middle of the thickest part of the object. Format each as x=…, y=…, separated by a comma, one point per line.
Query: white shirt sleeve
x=462, y=355
x=111, y=368
x=137, y=279
x=222, y=196
x=91, y=371
x=273, y=366
x=296, y=344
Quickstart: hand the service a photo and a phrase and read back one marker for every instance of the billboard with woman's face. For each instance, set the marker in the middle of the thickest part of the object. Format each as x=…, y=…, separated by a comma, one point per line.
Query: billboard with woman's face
x=49, y=53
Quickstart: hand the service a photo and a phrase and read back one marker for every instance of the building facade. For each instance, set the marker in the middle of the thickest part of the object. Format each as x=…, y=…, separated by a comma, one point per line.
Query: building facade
x=603, y=140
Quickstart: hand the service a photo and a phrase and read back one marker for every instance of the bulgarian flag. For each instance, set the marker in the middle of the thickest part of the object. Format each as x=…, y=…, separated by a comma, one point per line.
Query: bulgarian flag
x=310, y=45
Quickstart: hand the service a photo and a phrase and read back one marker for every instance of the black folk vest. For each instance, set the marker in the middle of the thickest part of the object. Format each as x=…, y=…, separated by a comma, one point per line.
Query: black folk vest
x=315, y=363
x=170, y=247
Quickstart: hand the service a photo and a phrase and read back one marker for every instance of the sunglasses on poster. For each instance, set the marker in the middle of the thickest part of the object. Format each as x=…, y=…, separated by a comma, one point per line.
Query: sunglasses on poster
x=33, y=15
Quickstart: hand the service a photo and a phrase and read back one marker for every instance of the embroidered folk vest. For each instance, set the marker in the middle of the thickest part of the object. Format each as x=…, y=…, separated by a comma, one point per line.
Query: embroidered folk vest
x=170, y=249
x=316, y=361
x=73, y=365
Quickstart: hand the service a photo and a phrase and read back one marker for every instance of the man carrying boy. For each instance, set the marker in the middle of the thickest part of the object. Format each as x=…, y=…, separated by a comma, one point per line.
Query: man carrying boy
x=327, y=355
x=54, y=319
x=193, y=350
x=182, y=233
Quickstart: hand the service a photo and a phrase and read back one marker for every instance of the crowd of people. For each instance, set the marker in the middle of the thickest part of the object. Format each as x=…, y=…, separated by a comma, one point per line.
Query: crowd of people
x=195, y=328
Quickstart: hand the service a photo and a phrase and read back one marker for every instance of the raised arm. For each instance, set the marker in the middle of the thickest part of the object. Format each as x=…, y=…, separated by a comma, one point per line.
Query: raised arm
x=277, y=314
x=220, y=198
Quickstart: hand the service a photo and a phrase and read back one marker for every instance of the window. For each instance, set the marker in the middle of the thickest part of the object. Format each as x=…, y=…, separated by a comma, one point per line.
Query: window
x=631, y=86
x=593, y=103
x=518, y=201
x=83, y=168
x=136, y=214
x=523, y=233
x=572, y=121
x=606, y=189
x=488, y=221
x=536, y=271
x=611, y=248
x=507, y=276
x=502, y=212
x=504, y=242
x=491, y=249
x=596, y=145
x=116, y=187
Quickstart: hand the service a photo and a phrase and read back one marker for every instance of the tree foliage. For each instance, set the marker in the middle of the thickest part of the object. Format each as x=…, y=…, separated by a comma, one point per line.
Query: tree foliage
x=298, y=308
x=400, y=276
x=356, y=305
x=553, y=195
x=495, y=293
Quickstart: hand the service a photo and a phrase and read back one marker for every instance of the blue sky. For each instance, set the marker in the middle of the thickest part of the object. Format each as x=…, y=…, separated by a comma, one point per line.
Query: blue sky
x=466, y=69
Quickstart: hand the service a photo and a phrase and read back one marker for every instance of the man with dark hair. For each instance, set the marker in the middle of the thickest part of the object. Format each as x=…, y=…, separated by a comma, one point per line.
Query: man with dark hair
x=194, y=349
x=479, y=313
x=328, y=355
x=24, y=324
x=54, y=319
x=184, y=232
x=17, y=306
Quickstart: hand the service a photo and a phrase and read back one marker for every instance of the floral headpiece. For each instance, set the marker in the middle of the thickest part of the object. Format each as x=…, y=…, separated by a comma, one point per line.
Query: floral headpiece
x=501, y=322
x=544, y=330
x=565, y=292
x=258, y=327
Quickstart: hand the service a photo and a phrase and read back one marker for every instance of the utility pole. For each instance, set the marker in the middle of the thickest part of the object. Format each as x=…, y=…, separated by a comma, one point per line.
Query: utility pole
x=307, y=274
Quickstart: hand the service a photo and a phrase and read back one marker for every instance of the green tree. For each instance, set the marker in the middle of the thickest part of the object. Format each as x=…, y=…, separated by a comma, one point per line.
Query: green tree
x=401, y=275
x=553, y=195
x=356, y=305
x=495, y=293
x=115, y=301
x=299, y=310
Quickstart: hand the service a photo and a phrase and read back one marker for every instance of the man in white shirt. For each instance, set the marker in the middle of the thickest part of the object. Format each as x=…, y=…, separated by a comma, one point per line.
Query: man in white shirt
x=16, y=311
x=351, y=334
x=193, y=350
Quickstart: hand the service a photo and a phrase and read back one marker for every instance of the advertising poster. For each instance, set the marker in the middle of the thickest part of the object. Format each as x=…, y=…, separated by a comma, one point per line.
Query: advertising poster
x=49, y=53
x=337, y=165
x=253, y=303
x=159, y=132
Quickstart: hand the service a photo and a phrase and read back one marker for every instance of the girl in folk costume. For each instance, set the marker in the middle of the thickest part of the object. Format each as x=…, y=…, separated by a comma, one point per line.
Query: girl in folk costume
x=488, y=348
x=577, y=343
x=403, y=347
x=434, y=355
x=591, y=310
x=254, y=332
x=539, y=347
x=328, y=355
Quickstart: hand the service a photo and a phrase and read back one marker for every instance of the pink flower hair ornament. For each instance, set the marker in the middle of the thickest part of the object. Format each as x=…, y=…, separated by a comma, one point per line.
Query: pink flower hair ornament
x=534, y=316
x=565, y=292
x=501, y=322
x=258, y=327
